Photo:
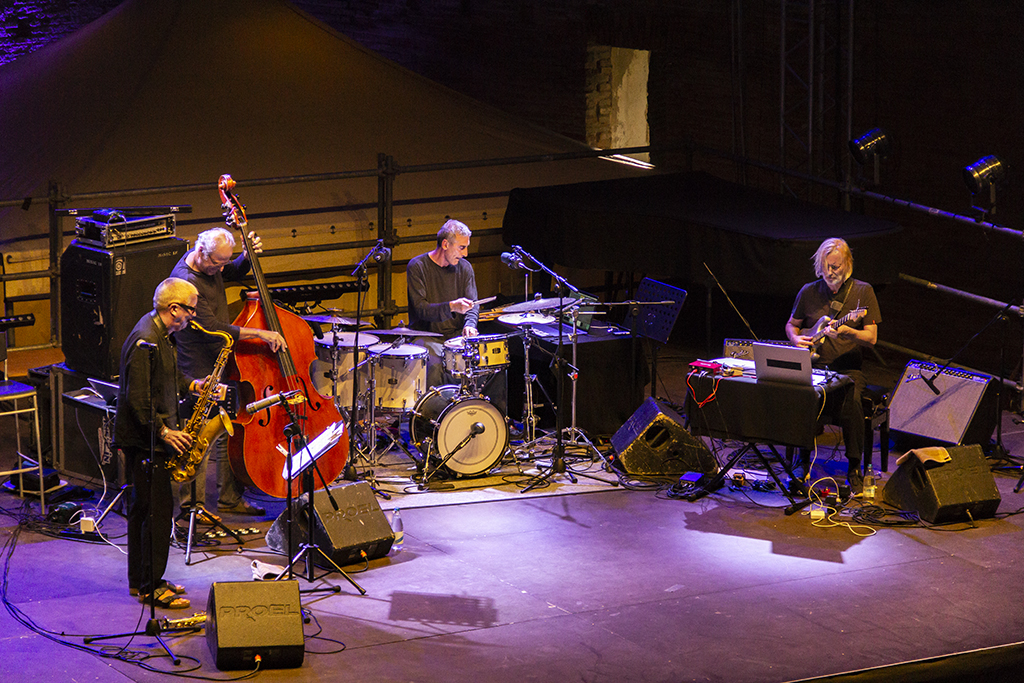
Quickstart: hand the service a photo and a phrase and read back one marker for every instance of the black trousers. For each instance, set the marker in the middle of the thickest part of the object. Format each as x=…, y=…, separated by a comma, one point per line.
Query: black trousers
x=150, y=516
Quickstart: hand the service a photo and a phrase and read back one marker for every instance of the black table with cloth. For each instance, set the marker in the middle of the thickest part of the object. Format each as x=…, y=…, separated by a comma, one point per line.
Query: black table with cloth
x=745, y=409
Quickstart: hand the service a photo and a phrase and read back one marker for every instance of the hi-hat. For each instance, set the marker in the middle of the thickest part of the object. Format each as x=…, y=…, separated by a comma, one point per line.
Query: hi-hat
x=540, y=305
x=327, y=319
x=405, y=332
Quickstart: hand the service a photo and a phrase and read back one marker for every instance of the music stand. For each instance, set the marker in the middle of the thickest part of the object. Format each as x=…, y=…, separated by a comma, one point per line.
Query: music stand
x=303, y=463
x=653, y=316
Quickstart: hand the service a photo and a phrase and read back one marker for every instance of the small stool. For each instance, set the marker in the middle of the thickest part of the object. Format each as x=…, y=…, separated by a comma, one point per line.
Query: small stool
x=876, y=416
x=17, y=398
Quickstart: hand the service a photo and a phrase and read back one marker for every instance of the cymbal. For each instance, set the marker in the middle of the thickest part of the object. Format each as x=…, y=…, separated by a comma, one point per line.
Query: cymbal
x=405, y=332
x=329, y=320
x=540, y=305
x=530, y=318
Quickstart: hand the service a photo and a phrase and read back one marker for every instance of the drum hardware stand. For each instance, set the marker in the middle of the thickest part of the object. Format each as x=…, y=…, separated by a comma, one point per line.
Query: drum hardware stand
x=293, y=433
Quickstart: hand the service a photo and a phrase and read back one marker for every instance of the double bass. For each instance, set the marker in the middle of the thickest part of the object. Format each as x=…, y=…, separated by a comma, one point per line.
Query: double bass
x=258, y=450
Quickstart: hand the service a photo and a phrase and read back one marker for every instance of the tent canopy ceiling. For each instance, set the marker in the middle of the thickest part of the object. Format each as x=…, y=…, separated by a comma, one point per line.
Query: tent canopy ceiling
x=668, y=226
x=160, y=93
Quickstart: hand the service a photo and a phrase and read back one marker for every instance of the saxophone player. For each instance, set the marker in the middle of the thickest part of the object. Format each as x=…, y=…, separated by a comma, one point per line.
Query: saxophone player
x=147, y=412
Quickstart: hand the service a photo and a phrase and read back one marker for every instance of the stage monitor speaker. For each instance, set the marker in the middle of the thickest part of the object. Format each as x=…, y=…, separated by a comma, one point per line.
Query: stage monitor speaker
x=653, y=441
x=357, y=525
x=963, y=412
x=958, y=490
x=103, y=293
x=249, y=618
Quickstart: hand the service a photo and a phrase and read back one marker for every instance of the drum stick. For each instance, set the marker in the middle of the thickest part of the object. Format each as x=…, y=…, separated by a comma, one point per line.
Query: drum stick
x=485, y=301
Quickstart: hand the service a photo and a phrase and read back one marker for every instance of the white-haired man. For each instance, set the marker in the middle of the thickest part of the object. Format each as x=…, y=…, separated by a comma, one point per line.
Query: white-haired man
x=210, y=262
x=833, y=296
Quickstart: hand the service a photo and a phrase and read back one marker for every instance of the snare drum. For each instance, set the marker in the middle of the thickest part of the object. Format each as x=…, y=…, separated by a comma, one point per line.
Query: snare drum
x=448, y=418
x=320, y=369
x=400, y=375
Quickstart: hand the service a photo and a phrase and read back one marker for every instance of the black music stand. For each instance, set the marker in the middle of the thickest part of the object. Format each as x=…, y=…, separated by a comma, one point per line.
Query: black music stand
x=653, y=315
x=305, y=463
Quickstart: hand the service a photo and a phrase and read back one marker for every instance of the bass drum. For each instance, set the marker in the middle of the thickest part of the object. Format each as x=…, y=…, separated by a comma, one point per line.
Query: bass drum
x=448, y=419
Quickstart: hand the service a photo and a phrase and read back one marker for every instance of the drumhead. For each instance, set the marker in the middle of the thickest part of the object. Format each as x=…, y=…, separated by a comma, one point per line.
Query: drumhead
x=400, y=351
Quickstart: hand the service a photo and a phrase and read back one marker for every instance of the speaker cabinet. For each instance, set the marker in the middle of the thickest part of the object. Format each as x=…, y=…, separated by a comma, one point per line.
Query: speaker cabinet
x=103, y=293
x=653, y=441
x=958, y=490
x=249, y=618
x=357, y=525
x=963, y=412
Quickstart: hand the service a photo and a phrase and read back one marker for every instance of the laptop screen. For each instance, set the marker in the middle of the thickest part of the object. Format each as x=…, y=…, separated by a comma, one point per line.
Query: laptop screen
x=790, y=364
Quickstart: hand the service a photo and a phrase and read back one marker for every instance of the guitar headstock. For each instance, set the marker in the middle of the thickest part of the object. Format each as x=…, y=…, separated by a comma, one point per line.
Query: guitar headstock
x=234, y=212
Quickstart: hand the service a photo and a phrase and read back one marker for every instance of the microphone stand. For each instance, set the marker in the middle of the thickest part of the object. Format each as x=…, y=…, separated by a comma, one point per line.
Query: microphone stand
x=293, y=433
x=153, y=626
x=557, y=456
x=349, y=473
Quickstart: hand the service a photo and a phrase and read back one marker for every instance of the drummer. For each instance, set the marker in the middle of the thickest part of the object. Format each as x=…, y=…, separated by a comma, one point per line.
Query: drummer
x=442, y=290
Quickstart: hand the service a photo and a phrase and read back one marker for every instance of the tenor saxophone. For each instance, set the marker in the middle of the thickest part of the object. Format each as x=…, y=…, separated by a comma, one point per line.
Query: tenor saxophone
x=204, y=427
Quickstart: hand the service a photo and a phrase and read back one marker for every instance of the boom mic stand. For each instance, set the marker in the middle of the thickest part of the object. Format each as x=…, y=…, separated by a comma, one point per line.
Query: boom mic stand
x=557, y=456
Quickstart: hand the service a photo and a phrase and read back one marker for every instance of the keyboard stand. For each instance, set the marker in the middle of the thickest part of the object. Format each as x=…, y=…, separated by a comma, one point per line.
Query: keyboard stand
x=795, y=504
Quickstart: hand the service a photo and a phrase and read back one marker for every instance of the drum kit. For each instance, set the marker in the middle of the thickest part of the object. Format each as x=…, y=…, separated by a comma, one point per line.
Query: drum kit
x=453, y=426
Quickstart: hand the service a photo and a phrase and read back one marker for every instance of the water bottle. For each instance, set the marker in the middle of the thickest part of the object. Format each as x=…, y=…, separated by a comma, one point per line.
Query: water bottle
x=869, y=484
x=396, y=527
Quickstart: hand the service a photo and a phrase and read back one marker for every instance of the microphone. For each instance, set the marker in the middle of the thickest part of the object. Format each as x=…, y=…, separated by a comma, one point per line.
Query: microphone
x=143, y=344
x=381, y=252
x=476, y=428
x=513, y=261
x=259, y=405
x=931, y=384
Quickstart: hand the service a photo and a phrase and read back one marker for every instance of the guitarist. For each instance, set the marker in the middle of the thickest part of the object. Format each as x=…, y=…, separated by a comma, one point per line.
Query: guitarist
x=819, y=307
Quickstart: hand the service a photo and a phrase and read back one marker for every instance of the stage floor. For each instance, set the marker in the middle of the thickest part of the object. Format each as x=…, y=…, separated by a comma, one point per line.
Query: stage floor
x=587, y=581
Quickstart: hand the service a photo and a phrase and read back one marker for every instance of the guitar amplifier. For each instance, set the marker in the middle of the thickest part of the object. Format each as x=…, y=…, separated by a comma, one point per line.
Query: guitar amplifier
x=744, y=348
x=962, y=412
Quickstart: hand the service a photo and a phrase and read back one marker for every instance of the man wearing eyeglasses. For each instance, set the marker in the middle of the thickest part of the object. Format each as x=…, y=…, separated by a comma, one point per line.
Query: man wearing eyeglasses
x=844, y=313
x=207, y=266
x=151, y=384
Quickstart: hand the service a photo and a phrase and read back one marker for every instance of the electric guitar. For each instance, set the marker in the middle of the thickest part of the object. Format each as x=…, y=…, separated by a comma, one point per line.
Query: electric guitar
x=826, y=324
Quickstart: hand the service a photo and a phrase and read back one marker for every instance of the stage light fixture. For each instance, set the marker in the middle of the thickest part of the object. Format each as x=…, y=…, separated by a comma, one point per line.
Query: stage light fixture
x=986, y=172
x=873, y=144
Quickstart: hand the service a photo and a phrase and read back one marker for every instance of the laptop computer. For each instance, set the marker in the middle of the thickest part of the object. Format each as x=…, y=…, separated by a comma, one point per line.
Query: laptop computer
x=790, y=364
x=106, y=390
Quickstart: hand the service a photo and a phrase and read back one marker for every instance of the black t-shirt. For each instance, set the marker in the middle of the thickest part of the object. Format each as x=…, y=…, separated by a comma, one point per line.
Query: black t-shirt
x=815, y=300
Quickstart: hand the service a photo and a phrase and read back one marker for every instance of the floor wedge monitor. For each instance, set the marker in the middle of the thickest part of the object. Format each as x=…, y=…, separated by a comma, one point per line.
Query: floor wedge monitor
x=357, y=526
x=958, y=490
x=249, y=618
x=653, y=441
